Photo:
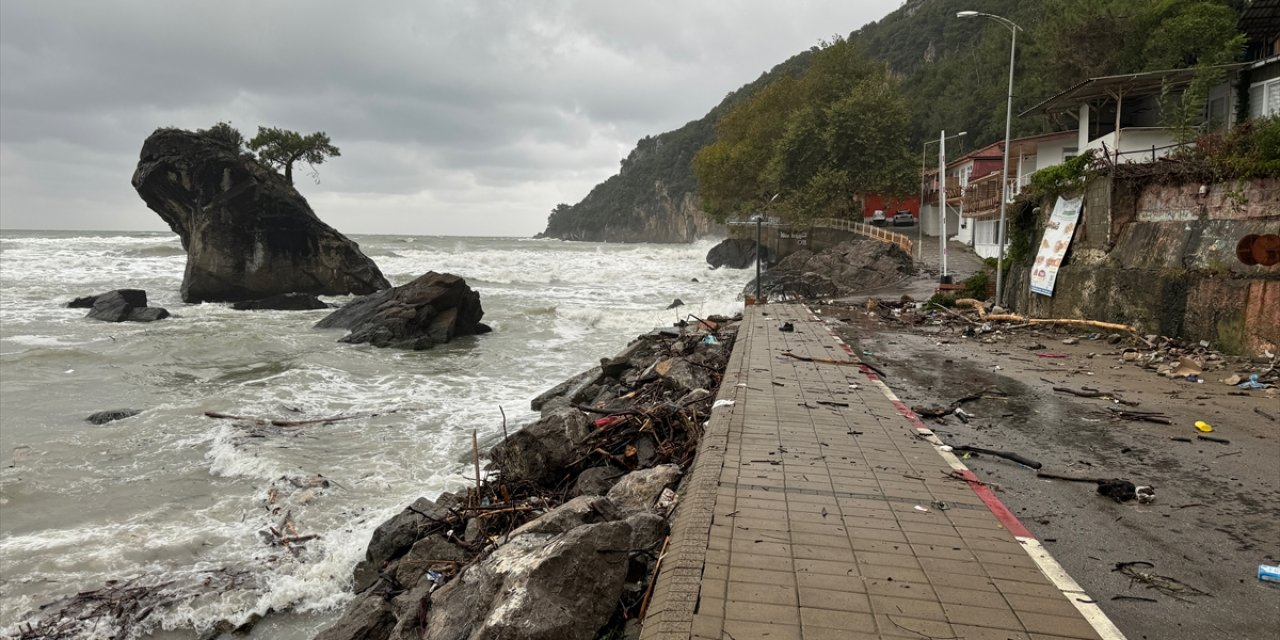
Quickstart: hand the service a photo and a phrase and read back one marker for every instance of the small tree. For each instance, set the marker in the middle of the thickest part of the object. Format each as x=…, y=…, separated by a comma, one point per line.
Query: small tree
x=225, y=134
x=281, y=148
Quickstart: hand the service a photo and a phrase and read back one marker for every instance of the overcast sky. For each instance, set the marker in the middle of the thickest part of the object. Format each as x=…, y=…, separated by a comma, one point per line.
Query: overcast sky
x=454, y=117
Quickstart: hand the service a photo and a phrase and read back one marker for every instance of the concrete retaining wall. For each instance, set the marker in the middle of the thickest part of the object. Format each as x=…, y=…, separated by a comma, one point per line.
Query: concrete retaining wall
x=1162, y=258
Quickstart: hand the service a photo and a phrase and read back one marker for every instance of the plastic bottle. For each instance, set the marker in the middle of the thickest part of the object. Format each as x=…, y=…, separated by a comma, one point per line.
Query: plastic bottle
x=1268, y=573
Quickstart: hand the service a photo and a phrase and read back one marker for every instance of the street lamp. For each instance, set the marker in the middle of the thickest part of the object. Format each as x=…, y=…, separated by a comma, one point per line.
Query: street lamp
x=1004, y=168
x=759, y=220
x=920, y=223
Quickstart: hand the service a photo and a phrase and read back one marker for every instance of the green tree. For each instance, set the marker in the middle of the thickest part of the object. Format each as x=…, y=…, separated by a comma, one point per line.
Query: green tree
x=818, y=139
x=281, y=148
x=225, y=134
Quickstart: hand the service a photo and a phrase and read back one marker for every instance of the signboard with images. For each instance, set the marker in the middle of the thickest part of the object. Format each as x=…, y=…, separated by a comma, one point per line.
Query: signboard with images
x=1057, y=238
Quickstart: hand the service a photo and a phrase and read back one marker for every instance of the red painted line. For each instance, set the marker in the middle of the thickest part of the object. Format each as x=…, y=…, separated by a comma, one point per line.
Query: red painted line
x=997, y=508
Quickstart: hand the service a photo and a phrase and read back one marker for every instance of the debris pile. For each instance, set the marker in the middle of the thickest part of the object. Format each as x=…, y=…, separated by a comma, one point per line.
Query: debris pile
x=564, y=534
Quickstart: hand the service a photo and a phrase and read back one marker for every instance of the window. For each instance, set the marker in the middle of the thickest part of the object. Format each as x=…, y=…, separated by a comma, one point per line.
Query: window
x=1264, y=98
x=1069, y=153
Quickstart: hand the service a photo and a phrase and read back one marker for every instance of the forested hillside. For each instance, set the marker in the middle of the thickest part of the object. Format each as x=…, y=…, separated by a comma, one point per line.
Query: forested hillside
x=952, y=73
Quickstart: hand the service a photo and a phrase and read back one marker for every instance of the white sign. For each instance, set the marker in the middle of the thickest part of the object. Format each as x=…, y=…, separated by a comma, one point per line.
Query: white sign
x=1057, y=238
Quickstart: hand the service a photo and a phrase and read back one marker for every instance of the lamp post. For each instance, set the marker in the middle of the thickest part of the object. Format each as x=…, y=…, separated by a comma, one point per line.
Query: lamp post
x=1004, y=168
x=920, y=223
x=759, y=218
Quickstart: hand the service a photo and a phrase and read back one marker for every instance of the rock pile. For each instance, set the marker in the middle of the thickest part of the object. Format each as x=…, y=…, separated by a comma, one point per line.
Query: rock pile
x=845, y=269
x=562, y=540
x=737, y=253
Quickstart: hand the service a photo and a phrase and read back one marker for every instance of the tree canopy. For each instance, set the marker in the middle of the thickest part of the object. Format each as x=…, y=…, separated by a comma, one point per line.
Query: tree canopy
x=226, y=135
x=817, y=140
x=281, y=148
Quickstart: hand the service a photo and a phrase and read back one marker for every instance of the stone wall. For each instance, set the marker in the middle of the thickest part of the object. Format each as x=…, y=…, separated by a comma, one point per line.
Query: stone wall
x=1162, y=258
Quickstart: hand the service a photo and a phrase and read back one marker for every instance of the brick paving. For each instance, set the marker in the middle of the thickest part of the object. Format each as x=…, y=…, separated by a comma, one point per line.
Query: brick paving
x=805, y=520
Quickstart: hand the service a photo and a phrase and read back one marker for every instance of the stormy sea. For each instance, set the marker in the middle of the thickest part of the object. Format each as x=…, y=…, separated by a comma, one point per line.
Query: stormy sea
x=172, y=497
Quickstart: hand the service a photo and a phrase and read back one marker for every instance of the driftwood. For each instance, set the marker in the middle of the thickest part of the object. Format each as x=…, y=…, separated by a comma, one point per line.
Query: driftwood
x=978, y=306
x=1008, y=455
x=1085, y=392
x=288, y=423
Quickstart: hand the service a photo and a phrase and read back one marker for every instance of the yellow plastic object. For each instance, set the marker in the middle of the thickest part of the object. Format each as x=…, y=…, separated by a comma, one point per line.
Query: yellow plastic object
x=1204, y=426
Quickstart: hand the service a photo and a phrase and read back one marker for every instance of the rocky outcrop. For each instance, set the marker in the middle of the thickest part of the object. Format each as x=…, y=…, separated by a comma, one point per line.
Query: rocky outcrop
x=736, y=253
x=121, y=305
x=848, y=268
x=282, y=302
x=247, y=232
x=432, y=309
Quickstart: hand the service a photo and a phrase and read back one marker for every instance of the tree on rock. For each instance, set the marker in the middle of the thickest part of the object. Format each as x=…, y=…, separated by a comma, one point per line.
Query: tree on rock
x=225, y=134
x=281, y=148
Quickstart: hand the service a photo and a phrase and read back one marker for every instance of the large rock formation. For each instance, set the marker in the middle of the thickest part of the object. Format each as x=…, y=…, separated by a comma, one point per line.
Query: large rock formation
x=247, y=232
x=432, y=309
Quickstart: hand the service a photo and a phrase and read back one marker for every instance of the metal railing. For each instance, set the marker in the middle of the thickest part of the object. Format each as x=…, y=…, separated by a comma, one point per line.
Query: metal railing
x=870, y=231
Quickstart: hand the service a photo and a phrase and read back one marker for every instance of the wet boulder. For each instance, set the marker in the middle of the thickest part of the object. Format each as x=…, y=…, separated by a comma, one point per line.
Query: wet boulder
x=571, y=515
x=390, y=540
x=432, y=309
x=368, y=618
x=543, y=451
x=292, y=301
x=736, y=253
x=103, y=417
x=124, y=305
x=427, y=553
x=247, y=231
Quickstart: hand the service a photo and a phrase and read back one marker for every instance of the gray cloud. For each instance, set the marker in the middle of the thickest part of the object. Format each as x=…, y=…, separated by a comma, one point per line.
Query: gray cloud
x=453, y=117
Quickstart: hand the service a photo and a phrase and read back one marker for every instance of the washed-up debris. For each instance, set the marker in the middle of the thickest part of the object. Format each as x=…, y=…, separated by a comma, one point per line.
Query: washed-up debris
x=1164, y=584
x=1008, y=455
x=1269, y=573
x=1204, y=426
x=1117, y=489
x=1213, y=439
x=1141, y=416
x=1086, y=392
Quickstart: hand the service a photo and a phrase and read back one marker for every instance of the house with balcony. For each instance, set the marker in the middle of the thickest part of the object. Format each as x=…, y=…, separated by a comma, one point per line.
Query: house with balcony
x=973, y=186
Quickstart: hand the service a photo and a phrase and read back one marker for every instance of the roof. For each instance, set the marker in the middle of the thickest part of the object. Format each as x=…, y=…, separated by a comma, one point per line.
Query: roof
x=995, y=150
x=1261, y=20
x=1108, y=87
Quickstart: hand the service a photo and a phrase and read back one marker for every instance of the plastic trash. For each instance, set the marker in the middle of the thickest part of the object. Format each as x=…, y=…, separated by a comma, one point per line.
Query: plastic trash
x=1251, y=383
x=1204, y=426
x=710, y=339
x=1269, y=573
x=722, y=403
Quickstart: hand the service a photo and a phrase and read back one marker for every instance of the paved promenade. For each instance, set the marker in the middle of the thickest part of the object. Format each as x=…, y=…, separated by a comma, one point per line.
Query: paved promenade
x=820, y=508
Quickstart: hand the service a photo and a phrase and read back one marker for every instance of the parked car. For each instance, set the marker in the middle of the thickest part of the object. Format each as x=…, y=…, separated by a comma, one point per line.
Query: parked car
x=904, y=219
x=878, y=218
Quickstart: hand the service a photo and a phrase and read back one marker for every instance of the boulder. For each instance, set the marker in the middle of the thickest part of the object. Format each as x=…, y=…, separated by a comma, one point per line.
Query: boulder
x=571, y=515
x=637, y=491
x=569, y=391
x=432, y=309
x=536, y=587
x=425, y=554
x=542, y=451
x=675, y=303
x=390, y=540
x=368, y=618
x=282, y=302
x=124, y=305
x=103, y=417
x=247, y=231
x=736, y=253
x=596, y=481
x=135, y=297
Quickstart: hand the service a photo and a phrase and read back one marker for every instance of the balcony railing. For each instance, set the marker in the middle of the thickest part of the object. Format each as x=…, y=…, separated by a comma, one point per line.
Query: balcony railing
x=981, y=198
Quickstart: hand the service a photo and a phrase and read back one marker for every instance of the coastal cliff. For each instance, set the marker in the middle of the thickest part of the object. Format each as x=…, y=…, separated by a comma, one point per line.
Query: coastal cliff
x=651, y=199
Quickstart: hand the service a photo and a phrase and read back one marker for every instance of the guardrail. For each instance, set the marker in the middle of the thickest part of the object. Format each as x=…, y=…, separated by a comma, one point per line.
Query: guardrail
x=871, y=231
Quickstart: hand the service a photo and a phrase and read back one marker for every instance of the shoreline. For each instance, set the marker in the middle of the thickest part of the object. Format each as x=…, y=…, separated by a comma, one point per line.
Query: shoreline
x=573, y=507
